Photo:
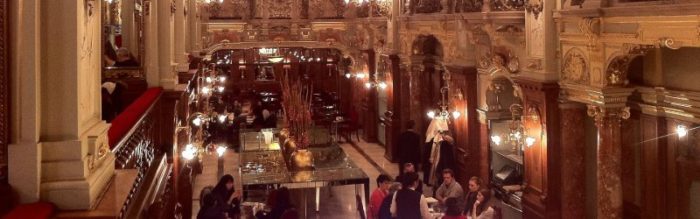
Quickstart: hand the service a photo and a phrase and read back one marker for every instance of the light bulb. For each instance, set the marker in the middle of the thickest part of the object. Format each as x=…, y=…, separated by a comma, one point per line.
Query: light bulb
x=220, y=89
x=205, y=90
x=348, y=75
x=208, y=79
x=529, y=141
x=221, y=150
x=456, y=114
x=222, y=79
x=197, y=121
x=368, y=85
x=382, y=85
x=189, y=152
x=682, y=131
x=360, y=75
x=496, y=139
x=222, y=118
x=431, y=114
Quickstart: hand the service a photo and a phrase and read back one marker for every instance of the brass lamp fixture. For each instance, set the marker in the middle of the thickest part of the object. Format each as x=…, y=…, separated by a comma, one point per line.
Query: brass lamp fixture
x=443, y=112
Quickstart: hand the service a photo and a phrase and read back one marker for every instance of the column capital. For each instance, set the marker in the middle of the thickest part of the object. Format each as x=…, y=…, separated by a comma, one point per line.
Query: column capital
x=608, y=116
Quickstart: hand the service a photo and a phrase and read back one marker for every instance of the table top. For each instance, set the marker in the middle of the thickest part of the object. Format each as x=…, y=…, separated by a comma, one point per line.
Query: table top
x=266, y=167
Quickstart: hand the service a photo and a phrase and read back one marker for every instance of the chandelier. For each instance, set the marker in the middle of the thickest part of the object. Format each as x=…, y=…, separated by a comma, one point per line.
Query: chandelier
x=516, y=135
x=443, y=112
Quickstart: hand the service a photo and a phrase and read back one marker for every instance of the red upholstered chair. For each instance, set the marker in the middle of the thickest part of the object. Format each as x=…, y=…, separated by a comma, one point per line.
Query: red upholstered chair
x=38, y=210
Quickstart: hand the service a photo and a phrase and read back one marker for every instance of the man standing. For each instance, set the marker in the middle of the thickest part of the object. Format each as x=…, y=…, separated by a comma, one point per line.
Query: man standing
x=409, y=146
x=410, y=168
x=449, y=188
x=407, y=203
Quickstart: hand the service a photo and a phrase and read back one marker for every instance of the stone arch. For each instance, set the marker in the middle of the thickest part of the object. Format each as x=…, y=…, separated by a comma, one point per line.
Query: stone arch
x=501, y=93
x=427, y=45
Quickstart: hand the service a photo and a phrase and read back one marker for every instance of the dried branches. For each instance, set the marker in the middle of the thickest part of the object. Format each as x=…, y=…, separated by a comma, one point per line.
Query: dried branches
x=296, y=103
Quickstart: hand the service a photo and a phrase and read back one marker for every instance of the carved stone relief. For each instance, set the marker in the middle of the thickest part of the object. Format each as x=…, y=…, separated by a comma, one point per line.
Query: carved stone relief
x=575, y=68
x=535, y=38
x=325, y=9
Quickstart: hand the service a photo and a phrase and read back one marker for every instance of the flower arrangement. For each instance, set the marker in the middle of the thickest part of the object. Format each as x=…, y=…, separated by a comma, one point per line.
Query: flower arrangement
x=296, y=105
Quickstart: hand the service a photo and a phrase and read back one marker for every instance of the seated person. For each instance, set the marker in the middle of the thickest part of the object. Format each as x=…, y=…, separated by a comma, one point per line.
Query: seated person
x=123, y=59
x=482, y=208
x=449, y=188
x=375, y=201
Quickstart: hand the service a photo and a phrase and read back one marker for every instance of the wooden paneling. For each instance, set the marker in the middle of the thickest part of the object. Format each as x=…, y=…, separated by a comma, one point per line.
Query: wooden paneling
x=541, y=198
x=653, y=163
x=4, y=90
x=369, y=106
x=466, y=127
x=395, y=120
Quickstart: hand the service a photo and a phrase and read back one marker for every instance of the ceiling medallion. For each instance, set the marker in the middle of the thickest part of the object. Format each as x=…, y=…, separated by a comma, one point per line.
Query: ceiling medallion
x=534, y=6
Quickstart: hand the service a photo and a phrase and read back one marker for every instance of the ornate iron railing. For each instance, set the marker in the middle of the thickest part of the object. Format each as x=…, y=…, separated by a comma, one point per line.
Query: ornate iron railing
x=137, y=150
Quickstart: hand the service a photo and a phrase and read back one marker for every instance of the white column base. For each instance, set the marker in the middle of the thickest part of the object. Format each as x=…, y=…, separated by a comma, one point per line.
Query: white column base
x=75, y=173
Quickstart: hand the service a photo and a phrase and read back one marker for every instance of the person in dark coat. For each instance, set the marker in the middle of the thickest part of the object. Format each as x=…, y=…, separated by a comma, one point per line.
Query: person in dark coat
x=226, y=199
x=447, y=158
x=408, y=146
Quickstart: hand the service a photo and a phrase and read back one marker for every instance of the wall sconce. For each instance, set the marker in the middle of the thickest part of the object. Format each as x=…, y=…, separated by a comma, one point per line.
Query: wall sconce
x=682, y=131
x=529, y=141
x=443, y=112
x=348, y=75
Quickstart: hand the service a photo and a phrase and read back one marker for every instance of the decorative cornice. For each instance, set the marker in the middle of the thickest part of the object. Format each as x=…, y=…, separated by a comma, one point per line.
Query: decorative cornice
x=604, y=97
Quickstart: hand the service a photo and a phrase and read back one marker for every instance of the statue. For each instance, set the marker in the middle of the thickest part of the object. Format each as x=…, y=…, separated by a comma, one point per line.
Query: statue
x=408, y=7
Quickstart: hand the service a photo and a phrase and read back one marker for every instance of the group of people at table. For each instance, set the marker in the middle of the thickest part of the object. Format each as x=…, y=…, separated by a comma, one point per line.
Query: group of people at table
x=404, y=199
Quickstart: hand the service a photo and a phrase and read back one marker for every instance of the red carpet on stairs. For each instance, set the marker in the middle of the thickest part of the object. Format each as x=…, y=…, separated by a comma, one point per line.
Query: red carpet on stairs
x=38, y=210
x=128, y=118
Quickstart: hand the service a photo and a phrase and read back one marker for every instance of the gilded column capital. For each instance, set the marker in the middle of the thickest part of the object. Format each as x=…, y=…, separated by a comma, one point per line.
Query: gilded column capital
x=608, y=116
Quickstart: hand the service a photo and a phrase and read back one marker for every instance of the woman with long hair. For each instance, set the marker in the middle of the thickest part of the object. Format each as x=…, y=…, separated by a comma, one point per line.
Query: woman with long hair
x=482, y=208
x=227, y=200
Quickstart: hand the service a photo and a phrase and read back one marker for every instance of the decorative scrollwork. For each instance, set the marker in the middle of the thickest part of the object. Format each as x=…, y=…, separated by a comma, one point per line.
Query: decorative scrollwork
x=507, y=5
x=608, y=116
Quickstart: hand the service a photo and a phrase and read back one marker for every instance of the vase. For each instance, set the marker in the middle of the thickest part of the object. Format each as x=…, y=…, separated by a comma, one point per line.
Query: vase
x=302, y=159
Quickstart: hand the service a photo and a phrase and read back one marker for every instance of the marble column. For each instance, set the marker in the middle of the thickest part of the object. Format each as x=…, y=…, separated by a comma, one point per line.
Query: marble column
x=609, y=159
x=180, y=33
x=129, y=28
x=61, y=153
x=151, y=63
x=573, y=174
x=166, y=43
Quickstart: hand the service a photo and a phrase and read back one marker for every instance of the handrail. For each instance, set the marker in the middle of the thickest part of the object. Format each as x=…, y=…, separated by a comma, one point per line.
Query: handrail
x=133, y=129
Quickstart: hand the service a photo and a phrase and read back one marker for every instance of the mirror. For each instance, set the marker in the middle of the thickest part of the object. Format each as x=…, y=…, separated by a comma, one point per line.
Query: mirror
x=123, y=41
